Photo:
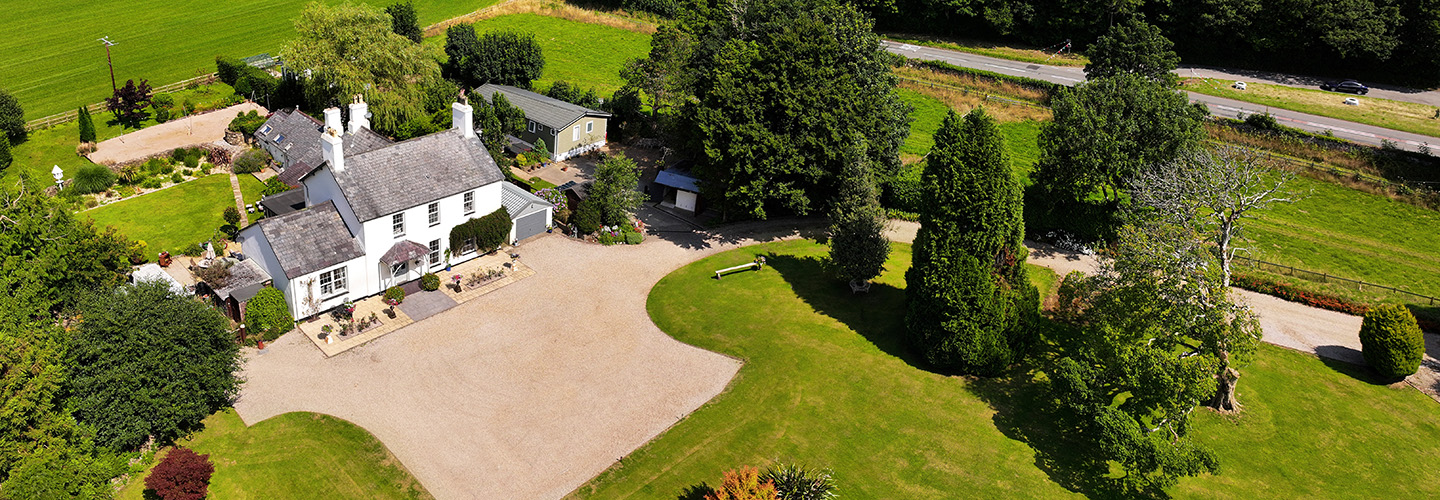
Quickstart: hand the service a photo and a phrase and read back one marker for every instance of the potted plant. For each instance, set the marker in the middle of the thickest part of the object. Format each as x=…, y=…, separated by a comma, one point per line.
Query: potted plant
x=325, y=334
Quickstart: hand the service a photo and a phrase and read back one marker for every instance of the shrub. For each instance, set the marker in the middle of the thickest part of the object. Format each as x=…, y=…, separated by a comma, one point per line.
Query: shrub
x=246, y=123
x=743, y=484
x=793, y=482
x=151, y=183
x=250, y=161
x=274, y=186
x=231, y=215
x=177, y=178
x=267, y=313
x=182, y=475
x=6, y=157
x=430, y=282
x=1391, y=341
x=192, y=161
x=167, y=169
x=587, y=217
x=162, y=115
x=154, y=166
x=606, y=238
x=395, y=294
x=93, y=179
x=228, y=69
x=634, y=238
x=1262, y=121
x=165, y=101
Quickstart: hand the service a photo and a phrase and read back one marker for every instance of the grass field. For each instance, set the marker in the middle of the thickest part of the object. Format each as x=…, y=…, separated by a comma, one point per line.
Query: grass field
x=174, y=217
x=1405, y=116
x=1020, y=135
x=295, y=456
x=992, y=49
x=829, y=382
x=589, y=55
x=54, y=64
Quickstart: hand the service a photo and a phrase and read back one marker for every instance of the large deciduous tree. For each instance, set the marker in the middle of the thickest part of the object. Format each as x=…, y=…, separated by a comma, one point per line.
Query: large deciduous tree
x=500, y=57
x=130, y=102
x=777, y=87
x=1133, y=47
x=1106, y=130
x=404, y=22
x=146, y=361
x=346, y=50
x=858, y=247
x=615, y=193
x=970, y=304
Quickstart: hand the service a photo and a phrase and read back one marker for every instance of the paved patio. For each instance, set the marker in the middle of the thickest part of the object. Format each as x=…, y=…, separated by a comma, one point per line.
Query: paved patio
x=419, y=306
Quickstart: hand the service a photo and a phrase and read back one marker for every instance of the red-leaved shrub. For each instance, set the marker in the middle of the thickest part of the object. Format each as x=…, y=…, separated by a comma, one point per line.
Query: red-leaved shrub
x=1292, y=294
x=182, y=475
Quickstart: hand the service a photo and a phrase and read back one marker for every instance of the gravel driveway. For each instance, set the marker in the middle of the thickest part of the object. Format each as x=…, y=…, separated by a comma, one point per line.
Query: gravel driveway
x=526, y=393
x=184, y=132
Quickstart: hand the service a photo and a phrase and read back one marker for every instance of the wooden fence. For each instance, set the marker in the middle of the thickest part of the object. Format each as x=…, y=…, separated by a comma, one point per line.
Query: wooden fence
x=1325, y=277
x=59, y=118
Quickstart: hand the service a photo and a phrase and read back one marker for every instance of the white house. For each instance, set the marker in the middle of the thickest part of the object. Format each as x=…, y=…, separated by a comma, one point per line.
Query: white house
x=382, y=217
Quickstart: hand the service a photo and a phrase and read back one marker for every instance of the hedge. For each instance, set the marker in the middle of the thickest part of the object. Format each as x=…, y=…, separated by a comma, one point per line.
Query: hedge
x=1287, y=292
x=229, y=69
x=488, y=232
x=1042, y=85
x=267, y=314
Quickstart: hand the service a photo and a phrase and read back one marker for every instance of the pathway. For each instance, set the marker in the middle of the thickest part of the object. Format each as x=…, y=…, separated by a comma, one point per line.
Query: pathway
x=178, y=133
x=239, y=200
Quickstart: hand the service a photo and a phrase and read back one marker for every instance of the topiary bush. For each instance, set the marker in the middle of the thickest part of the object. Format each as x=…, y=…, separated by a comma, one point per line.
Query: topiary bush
x=1391, y=341
x=267, y=313
x=93, y=179
x=250, y=161
x=394, y=294
x=634, y=238
x=247, y=123
x=182, y=475
x=430, y=282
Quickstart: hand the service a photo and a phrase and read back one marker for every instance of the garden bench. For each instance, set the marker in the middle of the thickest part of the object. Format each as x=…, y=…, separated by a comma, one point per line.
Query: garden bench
x=746, y=265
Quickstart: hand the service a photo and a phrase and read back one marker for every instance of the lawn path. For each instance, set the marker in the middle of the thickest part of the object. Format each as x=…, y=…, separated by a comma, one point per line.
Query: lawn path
x=239, y=199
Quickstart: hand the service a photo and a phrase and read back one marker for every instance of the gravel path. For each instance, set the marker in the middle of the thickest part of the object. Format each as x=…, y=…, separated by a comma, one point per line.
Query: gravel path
x=183, y=132
x=528, y=392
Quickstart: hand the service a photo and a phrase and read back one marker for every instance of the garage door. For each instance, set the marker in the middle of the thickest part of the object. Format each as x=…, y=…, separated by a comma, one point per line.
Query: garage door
x=530, y=225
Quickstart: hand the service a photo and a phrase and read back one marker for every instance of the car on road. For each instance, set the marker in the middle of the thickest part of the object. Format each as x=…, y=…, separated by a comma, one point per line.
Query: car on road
x=1348, y=86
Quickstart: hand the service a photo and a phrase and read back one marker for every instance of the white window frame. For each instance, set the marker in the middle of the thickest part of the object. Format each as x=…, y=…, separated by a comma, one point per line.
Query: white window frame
x=532, y=127
x=397, y=224
x=434, y=211
x=469, y=202
x=589, y=126
x=335, y=281
x=575, y=133
x=434, y=253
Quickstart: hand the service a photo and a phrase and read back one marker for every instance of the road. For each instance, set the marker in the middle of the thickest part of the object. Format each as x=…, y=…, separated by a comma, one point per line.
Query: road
x=1067, y=75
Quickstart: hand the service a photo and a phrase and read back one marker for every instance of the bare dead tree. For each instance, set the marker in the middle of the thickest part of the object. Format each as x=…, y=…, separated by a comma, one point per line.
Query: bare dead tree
x=1213, y=192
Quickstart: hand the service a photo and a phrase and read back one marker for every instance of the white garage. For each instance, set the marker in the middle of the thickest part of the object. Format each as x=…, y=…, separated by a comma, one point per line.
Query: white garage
x=530, y=215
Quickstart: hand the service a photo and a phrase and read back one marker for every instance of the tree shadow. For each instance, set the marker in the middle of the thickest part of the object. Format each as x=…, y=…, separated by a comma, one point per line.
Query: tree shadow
x=150, y=494
x=740, y=232
x=695, y=492
x=1356, y=370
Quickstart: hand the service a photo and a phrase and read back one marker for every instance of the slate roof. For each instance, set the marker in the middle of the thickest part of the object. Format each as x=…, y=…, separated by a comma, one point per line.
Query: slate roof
x=246, y=279
x=284, y=203
x=414, y=172
x=404, y=251
x=301, y=134
x=310, y=240
x=519, y=202
x=547, y=111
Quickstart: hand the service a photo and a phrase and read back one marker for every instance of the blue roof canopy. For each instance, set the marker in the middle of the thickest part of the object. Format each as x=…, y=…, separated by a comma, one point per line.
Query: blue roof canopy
x=678, y=180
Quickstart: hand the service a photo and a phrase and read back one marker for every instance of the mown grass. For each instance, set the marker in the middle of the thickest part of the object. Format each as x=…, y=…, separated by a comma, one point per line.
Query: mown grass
x=992, y=49
x=1405, y=116
x=54, y=64
x=828, y=381
x=928, y=112
x=172, y=218
x=588, y=55
x=294, y=456
x=55, y=146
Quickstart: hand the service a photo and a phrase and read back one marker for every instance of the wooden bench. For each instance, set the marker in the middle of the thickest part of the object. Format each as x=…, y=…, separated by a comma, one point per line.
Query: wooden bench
x=740, y=267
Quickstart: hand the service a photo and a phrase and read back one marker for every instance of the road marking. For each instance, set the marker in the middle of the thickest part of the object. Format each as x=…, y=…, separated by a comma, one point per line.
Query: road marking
x=1004, y=67
x=909, y=47
x=1066, y=78
x=1339, y=130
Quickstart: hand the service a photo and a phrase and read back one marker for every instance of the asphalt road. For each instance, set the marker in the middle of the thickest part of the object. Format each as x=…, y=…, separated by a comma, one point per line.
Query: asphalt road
x=1066, y=75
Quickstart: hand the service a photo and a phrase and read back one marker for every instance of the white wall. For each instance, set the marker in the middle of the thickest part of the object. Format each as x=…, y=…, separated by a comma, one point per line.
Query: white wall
x=685, y=200
x=255, y=247
x=300, y=288
x=419, y=230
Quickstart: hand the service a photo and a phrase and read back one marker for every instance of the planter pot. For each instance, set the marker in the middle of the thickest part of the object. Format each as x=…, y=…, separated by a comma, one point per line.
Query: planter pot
x=329, y=339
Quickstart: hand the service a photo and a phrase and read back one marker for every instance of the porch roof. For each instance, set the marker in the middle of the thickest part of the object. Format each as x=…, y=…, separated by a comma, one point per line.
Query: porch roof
x=404, y=251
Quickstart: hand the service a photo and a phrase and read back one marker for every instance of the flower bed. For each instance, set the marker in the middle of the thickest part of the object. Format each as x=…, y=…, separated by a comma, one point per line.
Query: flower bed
x=1287, y=292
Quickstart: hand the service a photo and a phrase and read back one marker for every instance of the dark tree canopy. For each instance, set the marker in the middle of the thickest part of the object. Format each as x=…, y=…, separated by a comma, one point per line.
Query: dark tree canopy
x=130, y=102
x=12, y=116
x=148, y=362
x=858, y=247
x=1106, y=130
x=500, y=57
x=970, y=304
x=778, y=88
x=404, y=22
x=87, y=125
x=1133, y=47
x=181, y=475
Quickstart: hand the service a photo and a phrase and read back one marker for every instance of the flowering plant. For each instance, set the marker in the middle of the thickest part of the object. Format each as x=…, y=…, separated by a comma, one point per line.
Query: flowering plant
x=392, y=302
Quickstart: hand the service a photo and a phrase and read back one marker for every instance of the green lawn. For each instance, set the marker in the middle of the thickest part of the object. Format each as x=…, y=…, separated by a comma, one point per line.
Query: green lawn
x=171, y=218
x=1020, y=136
x=828, y=381
x=295, y=456
x=54, y=64
x=1398, y=115
x=589, y=55
x=993, y=49
x=55, y=146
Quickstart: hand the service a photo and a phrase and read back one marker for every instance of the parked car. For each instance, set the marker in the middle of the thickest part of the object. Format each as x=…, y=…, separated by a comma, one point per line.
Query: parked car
x=1348, y=86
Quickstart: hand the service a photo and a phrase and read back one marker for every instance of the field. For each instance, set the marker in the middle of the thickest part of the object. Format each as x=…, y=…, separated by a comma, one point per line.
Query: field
x=589, y=55
x=295, y=456
x=890, y=428
x=171, y=218
x=1405, y=116
x=991, y=49
x=54, y=64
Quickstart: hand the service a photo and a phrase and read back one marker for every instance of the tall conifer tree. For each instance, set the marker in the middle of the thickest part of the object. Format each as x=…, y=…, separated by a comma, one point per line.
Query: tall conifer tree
x=858, y=247
x=87, y=126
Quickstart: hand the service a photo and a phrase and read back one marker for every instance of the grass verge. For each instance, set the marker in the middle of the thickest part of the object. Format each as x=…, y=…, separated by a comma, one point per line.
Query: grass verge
x=294, y=456
x=828, y=381
x=1397, y=115
x=991, y=49
x=589, y=55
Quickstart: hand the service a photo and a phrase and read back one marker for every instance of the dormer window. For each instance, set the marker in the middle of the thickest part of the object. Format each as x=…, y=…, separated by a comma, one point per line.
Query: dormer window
x=397, y=224
x=264, y=130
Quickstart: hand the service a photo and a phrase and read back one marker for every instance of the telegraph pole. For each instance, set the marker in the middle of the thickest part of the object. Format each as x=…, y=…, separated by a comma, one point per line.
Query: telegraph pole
x=106, y=41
